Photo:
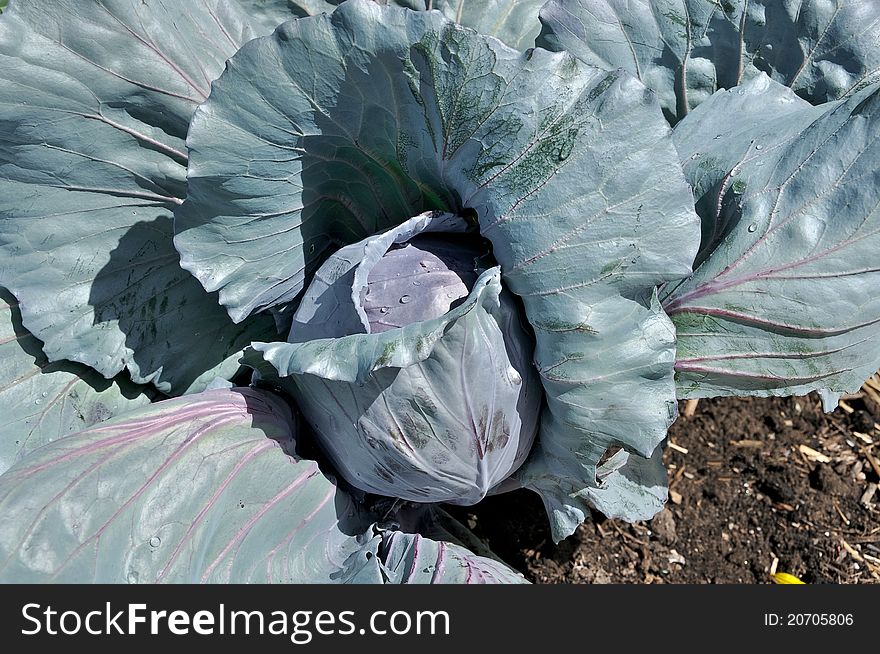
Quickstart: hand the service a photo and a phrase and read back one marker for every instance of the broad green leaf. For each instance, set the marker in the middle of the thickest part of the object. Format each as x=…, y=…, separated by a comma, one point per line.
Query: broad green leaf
x=95, y=101
x=200, y=489
x=784, y=300
x=375, y=114
x=43, y=401
x=687, y=49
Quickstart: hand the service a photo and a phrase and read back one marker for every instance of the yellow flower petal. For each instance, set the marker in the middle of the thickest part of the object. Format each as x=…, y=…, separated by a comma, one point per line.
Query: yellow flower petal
x=785, y=578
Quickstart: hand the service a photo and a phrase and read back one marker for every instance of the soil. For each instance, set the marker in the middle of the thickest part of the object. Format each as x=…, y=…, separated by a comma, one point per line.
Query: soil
x=757, y=486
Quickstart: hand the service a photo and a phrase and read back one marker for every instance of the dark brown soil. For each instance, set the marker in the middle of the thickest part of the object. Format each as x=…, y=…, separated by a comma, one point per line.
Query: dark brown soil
x=745, y=493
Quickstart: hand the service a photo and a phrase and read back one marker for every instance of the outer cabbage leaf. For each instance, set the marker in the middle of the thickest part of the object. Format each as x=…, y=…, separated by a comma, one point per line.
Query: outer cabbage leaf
x=785, y=298
x=95, y=101
x=196, y=489
x=412, y=559
x=513, y=21
x=375, y=114
x=43, y=401
x=687, y=49
x=302, y=8
x=266, y=15
x=440, y=410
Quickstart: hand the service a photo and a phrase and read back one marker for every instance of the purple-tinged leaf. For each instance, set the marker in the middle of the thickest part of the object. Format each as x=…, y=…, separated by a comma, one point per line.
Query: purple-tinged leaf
x=195, y=489
x=785, y=298
x=199, y=489
x=421, y=280
x=42, y=401
x=412, y=559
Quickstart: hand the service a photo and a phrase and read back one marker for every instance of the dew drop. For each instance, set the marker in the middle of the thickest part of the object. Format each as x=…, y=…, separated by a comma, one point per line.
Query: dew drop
x=740, y=92
x=753, y=227
x=404, y=299
x=44, y=393
x=155, y=541
x=383, y=310
x=429, y=568
x=37, y=402
x=416, y=282
x=312, y=248
x=759, y=147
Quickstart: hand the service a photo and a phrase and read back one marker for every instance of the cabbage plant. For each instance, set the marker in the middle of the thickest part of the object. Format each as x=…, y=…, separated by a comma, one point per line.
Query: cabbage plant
x=280, y=279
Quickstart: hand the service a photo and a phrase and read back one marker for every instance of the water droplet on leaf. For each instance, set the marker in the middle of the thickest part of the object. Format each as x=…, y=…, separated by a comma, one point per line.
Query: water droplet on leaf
x=753, y=227
x=404, y=299
x=383, y=310
x=155, y=541
x=759, y=146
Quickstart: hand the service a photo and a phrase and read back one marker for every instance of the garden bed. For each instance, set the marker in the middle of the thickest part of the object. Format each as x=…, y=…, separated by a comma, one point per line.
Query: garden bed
x=757, y=486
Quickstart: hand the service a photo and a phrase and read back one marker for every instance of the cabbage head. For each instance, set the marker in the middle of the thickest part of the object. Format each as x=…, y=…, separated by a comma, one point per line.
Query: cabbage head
x=413, y=366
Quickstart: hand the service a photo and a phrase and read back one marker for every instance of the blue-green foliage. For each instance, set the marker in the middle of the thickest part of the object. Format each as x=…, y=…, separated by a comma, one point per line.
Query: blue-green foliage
x=181, y=182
